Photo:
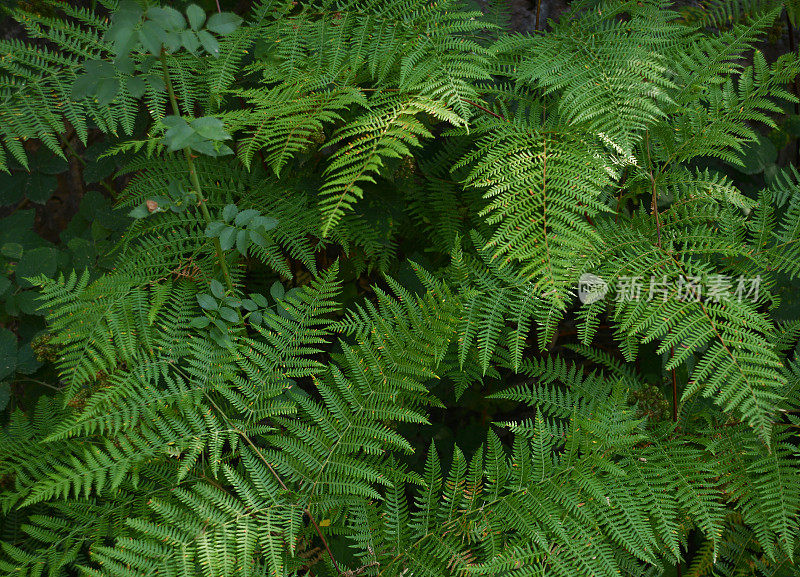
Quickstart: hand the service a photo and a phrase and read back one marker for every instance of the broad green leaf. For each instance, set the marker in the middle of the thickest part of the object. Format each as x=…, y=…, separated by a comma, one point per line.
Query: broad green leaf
x=258, y=238
x=215, y=228
x=229, y=314
x=277, y=291
x=217, y=289
x=106, y=90
x=210, y=127
x=166, y=17
x=210, y=148
x=241, y=242
x=228, y=238
x=140, y=211
x=245, y=217
x=190, y=41
x=199, y=322
x=263, y=223
x=152, y=36
x=209, y=43
x=136, y=86
x=12, y=250
x=260, y=300
x=229, y=212
x=207, y=302
x=35, y=262
x=196, y=16
x=223, y=23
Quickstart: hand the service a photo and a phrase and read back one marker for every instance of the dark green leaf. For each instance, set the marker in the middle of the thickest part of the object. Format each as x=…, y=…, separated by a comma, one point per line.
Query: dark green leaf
x=83, y=87
x=211, y=148
x=136, y=86
x=241, y=242
x=264, y=223
x=28, y=303
x=229, y=314
x=229, y=212
x=12, y=250
x=228, y=238
x=207, y=302
x=27, y=364
x=35, y=262
x=210, y=127
x=209, y=43
x=107, y=89
x=152, y=36
x=277, y=291
x=258, y=238
x=223, y=23
x=245, y=216
x=140, y=211
x=199, y=322
x=166, y=17
x=179, y=133
x=190, y=41
x=196, y=16
x=217, y=289
x=172, y=41
x=260, y=299
x=215, y=228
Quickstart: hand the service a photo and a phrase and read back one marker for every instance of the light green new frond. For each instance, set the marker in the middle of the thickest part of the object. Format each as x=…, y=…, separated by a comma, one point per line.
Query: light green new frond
x=543, y=191
x=611, y=77
x=390, y=129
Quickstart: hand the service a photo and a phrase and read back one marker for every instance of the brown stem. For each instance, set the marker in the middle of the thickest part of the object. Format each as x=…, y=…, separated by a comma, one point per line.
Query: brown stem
x=538, y=7
x=306, y=510
x=486, y=110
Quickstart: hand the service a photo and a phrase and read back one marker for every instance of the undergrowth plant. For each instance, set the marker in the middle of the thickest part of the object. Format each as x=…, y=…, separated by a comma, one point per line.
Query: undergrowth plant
x=338, y=221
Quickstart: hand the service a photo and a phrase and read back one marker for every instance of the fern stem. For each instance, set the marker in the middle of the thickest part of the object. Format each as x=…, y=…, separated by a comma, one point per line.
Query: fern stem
x=223, y=264
x=306, y=510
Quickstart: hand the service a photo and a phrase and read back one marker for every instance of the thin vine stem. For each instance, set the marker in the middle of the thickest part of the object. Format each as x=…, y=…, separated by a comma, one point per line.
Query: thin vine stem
x=229, y=283
x=198, y=190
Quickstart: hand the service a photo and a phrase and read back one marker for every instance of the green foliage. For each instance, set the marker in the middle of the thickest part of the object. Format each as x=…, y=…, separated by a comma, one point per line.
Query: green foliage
x=343, y=230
